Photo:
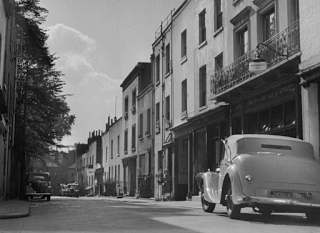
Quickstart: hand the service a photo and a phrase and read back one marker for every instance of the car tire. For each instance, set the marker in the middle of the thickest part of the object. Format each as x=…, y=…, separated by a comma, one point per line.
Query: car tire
x=26, y=198
x=232, y=209
x=313, y=217
x=206, y=206
x=48, y=198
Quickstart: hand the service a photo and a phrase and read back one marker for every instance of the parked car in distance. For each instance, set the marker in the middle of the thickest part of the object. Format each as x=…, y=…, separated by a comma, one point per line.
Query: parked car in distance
x=266, y=172
x=73, y=190
x=63, y=189
x=38, y=185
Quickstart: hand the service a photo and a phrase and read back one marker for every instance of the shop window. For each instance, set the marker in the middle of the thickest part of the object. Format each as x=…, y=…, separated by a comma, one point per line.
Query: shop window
x=236, y=125
x=264, y=118
x=290, y=113
x=277, y=120
x=253, y=126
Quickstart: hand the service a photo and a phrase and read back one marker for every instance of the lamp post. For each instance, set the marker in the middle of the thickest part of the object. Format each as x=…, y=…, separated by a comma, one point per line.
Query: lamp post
x=259, y=65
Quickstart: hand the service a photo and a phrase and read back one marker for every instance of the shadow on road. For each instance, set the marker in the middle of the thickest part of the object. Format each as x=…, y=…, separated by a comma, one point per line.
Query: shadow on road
x=275, y=219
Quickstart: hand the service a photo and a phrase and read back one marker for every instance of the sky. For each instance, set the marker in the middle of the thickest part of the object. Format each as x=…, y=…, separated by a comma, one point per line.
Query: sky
x=98, y=43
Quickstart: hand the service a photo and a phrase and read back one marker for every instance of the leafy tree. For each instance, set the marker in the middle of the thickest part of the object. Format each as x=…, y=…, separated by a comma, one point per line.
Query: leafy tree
x=42, y=114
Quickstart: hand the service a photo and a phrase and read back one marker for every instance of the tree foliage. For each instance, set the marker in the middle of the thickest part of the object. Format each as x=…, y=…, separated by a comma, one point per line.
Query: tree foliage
x=42, y=114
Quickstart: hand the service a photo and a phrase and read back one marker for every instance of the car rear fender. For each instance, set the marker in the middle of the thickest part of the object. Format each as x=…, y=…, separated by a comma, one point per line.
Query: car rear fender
x=232, y=177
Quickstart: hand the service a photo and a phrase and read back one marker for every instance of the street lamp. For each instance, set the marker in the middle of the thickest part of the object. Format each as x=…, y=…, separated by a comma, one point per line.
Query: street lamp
x=259, y=65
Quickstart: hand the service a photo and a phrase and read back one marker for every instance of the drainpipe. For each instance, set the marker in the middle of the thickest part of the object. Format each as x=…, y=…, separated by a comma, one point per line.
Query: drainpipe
x=171, y=111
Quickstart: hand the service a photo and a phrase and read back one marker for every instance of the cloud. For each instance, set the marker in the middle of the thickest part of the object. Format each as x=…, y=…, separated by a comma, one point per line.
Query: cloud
x=93, y=93
x=69, y=39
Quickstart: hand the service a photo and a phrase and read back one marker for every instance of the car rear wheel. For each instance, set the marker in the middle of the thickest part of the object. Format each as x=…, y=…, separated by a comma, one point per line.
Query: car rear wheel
x=206, y=206
x=232, y=209
x=48, y=198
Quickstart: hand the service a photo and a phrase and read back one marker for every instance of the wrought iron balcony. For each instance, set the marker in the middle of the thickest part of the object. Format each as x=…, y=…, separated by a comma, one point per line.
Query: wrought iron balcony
x=286, y=43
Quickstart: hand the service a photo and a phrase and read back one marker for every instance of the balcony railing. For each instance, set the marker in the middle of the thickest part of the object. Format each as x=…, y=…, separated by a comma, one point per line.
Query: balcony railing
x=286, y=43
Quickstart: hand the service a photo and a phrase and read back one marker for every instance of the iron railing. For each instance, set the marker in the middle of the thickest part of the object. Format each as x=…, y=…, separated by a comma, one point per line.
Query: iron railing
x=285, y=43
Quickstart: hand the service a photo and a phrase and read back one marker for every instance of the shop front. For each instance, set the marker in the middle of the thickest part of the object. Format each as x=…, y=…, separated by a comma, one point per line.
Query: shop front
x=275, y=109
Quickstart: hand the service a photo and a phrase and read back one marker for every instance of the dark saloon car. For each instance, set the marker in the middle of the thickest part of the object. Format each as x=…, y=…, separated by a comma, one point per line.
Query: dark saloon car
x=38, y=185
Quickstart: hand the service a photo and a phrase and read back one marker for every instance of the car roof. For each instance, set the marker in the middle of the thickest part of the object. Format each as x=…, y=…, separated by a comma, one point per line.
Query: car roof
x=236, y=137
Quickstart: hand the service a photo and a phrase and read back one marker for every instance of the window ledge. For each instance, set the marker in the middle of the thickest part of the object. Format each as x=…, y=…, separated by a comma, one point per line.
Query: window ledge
x=133, y=149
x=167, y=75
x=184, y=115
x=118, y=155
x=202, y=44
x=218, y=31
x=125, y=152
x=184, y=59
x=202, y=108
x=157, y=83
x=235, y=2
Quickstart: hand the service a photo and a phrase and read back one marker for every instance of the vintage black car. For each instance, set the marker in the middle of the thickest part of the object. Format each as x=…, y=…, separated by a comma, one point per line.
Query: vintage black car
x=38, y=185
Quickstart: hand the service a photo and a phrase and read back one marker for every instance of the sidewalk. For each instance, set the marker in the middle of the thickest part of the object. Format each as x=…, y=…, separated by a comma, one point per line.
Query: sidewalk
x=14, y=209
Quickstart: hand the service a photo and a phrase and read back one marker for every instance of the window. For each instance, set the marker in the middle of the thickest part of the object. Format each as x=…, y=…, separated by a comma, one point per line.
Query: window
x=126, y=141
x=158, y=118
x=202, y=26
x=269, y=24
x=219, y=62
x=157, y=69
x=167, y=58
x=118, y=146
x=118, y=172
x=126, y=107
x=184, y=96
x=134, y=100
x=184, y=43
x=218, y=14
x=111, y=149
x=142, y=164
x=293, y=11
x=242, y=42
x=106, y=153
x=141, y=126
x=115, y=172
x=168, y=108
x=203, y=86
x=133, y=138
x=148, y=121
x=160, y=160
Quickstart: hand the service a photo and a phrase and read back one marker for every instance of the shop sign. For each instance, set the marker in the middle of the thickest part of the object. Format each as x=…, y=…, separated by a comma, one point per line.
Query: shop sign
x=257, y=67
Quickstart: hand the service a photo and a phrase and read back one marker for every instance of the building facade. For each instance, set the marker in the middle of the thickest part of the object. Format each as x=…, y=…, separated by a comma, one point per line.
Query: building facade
x=8, y=55
x=310, y=71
